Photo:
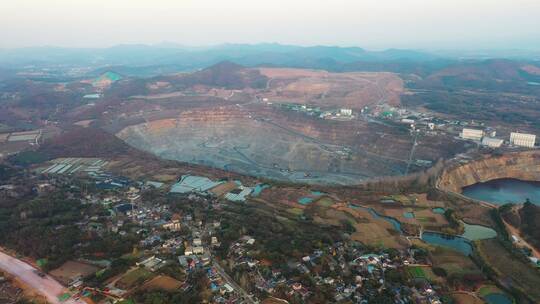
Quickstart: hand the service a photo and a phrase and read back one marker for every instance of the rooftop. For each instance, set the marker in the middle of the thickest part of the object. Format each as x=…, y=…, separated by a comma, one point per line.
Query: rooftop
x=190, y=183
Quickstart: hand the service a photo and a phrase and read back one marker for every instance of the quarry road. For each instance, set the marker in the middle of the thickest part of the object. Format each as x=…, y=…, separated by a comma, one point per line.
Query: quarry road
x=46, y=286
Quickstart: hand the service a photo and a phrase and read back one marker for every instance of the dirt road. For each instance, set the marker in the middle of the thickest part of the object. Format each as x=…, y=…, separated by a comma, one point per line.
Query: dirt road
x=514, y=231
x=46, y=286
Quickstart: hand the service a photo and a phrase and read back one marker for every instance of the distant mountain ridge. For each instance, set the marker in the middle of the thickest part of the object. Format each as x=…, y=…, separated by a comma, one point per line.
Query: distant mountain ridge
x=492, y=74
x=195, y=58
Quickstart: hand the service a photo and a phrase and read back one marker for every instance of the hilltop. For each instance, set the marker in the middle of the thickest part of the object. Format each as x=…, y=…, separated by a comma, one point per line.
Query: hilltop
x=86, y=142
x=225, y=74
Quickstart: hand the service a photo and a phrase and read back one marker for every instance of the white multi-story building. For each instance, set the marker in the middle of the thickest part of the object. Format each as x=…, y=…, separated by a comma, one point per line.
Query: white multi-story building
x=345, y=112
x=473, y=134
x=522, y=139
x=492, y=142
x=198, y=250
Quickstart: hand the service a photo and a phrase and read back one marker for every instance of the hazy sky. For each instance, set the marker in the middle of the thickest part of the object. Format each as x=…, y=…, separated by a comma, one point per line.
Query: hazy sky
x=427, y=24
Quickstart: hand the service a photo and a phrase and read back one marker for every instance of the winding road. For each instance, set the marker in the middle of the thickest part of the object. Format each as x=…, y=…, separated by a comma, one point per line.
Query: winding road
x=46, y=286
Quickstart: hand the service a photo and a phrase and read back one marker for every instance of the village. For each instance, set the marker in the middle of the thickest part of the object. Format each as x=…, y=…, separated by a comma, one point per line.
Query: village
x=174, y=247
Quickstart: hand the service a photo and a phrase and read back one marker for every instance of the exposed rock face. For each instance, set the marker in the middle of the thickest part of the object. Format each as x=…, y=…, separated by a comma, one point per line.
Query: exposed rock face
x=519, y=165
x=231, y=140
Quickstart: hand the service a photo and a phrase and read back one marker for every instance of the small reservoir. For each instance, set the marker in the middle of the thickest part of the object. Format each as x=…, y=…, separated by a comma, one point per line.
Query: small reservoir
x=506, y=190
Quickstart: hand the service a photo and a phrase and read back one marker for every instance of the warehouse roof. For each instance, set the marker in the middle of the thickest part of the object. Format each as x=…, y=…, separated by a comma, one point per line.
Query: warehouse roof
x=190, y=183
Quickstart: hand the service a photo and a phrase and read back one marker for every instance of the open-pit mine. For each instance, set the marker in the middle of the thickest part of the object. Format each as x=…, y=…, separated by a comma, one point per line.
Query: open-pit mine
x=284, y=124
x=265, y=141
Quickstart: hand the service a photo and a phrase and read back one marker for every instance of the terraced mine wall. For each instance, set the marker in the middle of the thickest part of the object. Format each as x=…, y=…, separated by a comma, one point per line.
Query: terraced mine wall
x=519, y=165
x=265, y=141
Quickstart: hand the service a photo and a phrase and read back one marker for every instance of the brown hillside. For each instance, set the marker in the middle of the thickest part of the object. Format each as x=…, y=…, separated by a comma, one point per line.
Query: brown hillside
x=224, y=74
x=86, y=142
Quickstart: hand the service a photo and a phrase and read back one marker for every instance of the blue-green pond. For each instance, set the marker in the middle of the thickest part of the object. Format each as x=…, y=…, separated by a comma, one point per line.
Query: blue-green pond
x=506, y=190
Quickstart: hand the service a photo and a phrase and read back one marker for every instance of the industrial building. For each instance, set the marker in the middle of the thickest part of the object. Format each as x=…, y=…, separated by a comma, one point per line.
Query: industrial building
x=239, y=195
x=472, y=134
x=233, y=191
x=194, y=184
x=492, y=142
x=30, y=136
x=522, y=139
x=74, y=165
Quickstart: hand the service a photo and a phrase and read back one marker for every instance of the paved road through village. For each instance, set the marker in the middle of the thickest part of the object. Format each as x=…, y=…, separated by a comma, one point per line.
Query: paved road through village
x=46, y=286
x=228, y=279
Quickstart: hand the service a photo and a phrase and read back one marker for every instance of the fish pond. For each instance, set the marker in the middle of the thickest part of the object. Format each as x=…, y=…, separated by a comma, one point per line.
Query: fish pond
x=478, y=232
x=395, y=223
x=258, y=189
x=309, y=199
x=461, y=243
x=409, y=215
x=457, y=243
x=498, y=298
x=438, y=210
